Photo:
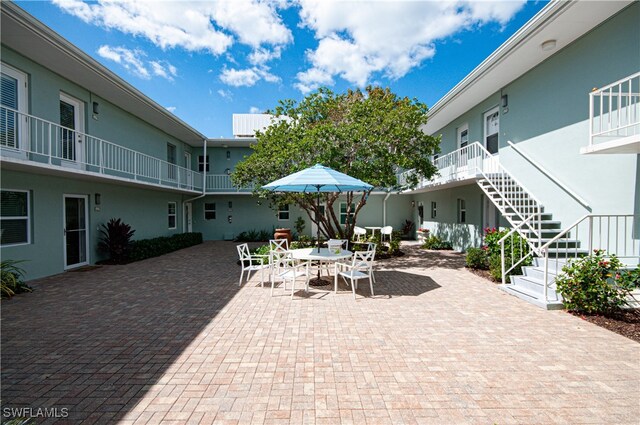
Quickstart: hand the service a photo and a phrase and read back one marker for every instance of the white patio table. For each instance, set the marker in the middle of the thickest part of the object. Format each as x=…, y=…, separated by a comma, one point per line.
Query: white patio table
x=373, y=229
x=325, y=255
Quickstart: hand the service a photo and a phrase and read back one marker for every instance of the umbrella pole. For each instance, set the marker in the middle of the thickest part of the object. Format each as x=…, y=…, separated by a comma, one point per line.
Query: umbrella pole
x=318, y=226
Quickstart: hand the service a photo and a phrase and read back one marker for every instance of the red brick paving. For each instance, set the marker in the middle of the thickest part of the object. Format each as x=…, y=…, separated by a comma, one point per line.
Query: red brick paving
x=174, y=340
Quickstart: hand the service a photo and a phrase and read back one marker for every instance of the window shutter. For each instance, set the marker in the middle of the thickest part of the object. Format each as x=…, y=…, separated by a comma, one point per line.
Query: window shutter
x=9, y=92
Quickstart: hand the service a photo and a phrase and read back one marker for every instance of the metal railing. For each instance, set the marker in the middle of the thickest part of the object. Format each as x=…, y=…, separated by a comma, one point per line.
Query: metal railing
x=223, y=183
x=517, y=204
x=44, y=142
x=617, y=234
x=614, y=110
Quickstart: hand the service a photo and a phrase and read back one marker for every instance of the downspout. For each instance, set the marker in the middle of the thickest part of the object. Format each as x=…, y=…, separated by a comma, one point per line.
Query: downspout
x=384, y=209
x=204, y=177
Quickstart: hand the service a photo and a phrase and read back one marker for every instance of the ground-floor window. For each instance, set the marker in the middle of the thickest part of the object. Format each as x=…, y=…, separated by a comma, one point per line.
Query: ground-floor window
x=462, y=211
x=171, y=215
x=14, y=217
x=343, y=212
x=433, y=209
x=210, y=211
x=283, y=212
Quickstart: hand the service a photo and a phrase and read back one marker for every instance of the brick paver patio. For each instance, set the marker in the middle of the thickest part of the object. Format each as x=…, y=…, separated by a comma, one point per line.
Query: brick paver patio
x=174, y=340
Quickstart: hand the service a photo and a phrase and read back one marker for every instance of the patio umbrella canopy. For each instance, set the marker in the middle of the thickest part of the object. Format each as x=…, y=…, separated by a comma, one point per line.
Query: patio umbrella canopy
x=318, y=179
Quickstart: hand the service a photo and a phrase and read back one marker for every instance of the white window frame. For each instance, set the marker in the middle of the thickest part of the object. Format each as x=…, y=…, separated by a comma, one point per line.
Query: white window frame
x=23, y=106
x=28, y=217
x=282, y=212
x=205, y=210
x=434, y=209
x=464, y=127
x=174, y=215
x=462, y=211
x=343, y=215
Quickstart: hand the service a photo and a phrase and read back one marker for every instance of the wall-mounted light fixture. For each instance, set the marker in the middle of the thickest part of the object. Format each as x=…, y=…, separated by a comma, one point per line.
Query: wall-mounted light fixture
x=227, y=171
x=548, y=45
x=505, y=100
x=230, y=205
x=97, y=199
x=229, y=219
x=228, y=154
x=413, y=204
x=96, y=108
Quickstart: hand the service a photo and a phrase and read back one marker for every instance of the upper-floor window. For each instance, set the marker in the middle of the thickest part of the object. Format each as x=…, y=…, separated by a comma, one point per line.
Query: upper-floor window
x=463, y=135
x=171, y=159
x=203, y=162
x=14, y=217
x=283, y=212
x=344, y=214
x=13, y=95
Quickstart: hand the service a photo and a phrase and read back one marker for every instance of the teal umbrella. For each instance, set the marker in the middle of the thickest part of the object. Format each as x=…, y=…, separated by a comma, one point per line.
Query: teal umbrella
x=318, y=179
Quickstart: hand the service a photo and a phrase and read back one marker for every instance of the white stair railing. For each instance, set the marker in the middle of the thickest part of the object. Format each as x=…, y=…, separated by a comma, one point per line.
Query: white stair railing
x=515, y=202
x=614, y=110
x=616, y=234
x=45, y=142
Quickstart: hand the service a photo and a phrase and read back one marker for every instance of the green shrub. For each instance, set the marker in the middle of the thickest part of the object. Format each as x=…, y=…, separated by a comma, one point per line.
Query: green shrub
x=520, y=248
x=434, y=242
x=594, y=284
x=254, y=236
x=394, y=244
x=629, y=278
x=477, y=258
x=147, y=248
x=115, y=239
x=11, y=279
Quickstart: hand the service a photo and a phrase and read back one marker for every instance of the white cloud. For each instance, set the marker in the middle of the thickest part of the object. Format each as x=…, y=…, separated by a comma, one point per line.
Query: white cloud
x=130, y=59
x=247, y=77
x=254, y=110
x=171, y=109
x=225, y=94
x=357, y=40
x=211, y=26
x=163, y=69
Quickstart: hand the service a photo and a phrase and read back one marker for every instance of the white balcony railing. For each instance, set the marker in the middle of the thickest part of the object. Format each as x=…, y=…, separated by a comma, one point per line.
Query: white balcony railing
x=614, y=111
x=45, y=143
x=222, y=183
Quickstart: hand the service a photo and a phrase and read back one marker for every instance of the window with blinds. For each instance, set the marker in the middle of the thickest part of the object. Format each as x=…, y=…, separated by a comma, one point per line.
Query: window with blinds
x=14, y=217
x=8, y=99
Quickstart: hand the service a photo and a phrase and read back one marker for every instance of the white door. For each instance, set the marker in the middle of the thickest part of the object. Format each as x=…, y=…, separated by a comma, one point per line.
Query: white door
x=76, y=234
x=492, y=130
x=187, y=165
x=70, y=148
x=490, y=215
x=188, y=217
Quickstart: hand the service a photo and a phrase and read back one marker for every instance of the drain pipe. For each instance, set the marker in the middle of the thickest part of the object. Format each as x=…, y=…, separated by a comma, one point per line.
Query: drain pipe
x=384, y=209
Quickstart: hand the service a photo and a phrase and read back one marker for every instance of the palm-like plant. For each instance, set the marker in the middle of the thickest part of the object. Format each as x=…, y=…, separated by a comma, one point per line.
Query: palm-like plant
x=116, y=239
x=11, y=281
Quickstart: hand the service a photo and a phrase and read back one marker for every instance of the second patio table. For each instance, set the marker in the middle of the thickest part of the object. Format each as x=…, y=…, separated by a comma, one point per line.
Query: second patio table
x=312, y=254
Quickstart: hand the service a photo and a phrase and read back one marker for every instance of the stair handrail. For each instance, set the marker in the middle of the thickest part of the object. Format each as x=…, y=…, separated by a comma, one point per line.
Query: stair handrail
x=546, y=172
x=590, y=241
x=527, y=241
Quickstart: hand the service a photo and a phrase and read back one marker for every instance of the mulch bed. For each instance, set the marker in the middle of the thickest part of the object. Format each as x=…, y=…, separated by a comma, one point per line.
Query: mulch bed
x=482, y=273
x=625, y=322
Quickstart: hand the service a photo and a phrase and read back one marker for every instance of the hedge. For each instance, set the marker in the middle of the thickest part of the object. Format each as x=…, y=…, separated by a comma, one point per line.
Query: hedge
x=147, y=248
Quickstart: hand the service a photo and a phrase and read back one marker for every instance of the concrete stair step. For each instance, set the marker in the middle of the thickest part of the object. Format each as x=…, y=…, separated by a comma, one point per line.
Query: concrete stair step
x=533, y=285
x=532, y=297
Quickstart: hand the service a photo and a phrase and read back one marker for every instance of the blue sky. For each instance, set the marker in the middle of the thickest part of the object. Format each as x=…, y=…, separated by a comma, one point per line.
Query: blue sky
x=206, y=60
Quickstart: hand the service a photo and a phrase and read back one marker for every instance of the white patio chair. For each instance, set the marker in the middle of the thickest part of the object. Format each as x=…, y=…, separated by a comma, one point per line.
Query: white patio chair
x=371, y=247
x=386, y=231
x=361, y=267
x=359, y=232
x=335, y=246
x=278, y=249
x=288, y=269
x=251, y=263
x=279, y=244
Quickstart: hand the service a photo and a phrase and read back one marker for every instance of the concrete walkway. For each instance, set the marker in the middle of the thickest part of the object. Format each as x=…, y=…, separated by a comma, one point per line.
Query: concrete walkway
x=174, y=340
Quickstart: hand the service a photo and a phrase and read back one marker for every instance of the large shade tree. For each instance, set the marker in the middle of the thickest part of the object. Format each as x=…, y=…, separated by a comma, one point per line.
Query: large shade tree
x=370, y=135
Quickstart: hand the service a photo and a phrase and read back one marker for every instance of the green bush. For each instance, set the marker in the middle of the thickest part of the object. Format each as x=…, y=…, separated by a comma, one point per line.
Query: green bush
x=520, y=248
x=477, y=258
x=434, y=242
x=11, y=279
x=115, y=239
x=594, y=284
x=147, y=248
x=254, y=236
